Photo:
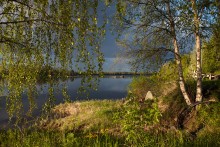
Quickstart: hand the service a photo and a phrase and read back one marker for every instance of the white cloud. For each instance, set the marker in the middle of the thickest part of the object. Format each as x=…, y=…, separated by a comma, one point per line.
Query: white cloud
x=116, y=64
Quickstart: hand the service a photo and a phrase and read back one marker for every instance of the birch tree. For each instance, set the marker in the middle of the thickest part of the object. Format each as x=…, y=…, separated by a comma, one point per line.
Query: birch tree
x=63, y=34
x=156, y=25
x=198, y=52
x=202, y=15
x=161, y=26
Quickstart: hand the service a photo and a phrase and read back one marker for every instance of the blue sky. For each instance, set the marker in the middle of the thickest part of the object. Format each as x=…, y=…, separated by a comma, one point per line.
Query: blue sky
x=110, y=48
x=113, y=62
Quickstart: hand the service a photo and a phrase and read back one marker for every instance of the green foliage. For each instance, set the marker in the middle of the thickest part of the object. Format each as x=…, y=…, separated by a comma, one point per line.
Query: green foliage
x=206, y=124
x=210, y=63
x=208, y=116
x=141, y=84
x=207, y=139
x=157, y=83
x=38, y=37
x=134, y=118
x=211, y=55
x=48, y=73
x=168, y=72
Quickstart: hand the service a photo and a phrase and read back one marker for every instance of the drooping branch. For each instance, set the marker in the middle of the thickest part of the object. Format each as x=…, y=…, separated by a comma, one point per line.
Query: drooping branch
x=30, y=21
x=21, y=3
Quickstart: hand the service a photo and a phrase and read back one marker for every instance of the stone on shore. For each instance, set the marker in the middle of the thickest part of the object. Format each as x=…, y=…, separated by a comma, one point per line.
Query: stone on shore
x=149, y=96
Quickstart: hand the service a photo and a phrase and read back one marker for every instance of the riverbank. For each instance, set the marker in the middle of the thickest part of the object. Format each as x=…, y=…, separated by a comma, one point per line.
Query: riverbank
x=92, y=123
x=127, y=122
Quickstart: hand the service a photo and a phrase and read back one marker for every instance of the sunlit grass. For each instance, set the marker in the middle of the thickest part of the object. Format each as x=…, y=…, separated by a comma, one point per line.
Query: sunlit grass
x=92, y=123
x=39, y=138
x=84, y=116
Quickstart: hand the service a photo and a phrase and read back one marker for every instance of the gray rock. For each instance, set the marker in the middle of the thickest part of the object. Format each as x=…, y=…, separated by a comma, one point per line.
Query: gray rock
x=149, y=96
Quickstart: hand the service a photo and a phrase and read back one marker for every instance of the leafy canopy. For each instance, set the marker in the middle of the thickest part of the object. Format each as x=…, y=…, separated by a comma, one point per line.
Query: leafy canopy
x=39, y=33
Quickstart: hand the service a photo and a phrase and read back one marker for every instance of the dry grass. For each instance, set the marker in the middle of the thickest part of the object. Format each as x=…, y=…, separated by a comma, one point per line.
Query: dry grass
x=166, y=90
x=82, y=116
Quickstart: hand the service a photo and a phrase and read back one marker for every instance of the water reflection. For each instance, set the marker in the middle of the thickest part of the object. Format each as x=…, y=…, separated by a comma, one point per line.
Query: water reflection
x=108, y=88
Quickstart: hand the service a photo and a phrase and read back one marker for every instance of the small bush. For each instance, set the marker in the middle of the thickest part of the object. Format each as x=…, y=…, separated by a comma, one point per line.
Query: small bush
x=135, y=118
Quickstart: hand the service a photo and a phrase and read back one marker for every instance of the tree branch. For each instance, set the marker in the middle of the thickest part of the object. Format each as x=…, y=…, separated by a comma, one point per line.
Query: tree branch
x=6, y=40
x=32, y=20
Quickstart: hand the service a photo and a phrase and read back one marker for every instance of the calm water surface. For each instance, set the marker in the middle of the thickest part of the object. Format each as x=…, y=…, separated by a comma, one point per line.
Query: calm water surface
x=108, y=88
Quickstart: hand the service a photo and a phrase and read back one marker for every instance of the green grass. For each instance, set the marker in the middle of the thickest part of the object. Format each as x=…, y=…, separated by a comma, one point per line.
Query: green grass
x=158, y=138
x=93, y=123
x=39, y=138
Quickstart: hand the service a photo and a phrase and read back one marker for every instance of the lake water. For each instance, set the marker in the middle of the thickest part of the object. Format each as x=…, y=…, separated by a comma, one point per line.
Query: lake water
x=108, y=88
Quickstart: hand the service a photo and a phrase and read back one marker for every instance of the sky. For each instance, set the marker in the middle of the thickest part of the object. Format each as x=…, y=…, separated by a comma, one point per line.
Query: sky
x=111, y=53
x=111, y=49
x=109, y=46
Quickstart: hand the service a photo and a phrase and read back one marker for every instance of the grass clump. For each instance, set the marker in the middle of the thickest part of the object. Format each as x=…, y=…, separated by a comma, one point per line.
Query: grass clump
x=42, y=138
x=94, y=115
x=28, y=138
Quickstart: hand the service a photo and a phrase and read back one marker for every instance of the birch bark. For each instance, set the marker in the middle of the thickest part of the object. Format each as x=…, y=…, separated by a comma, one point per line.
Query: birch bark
x=177, y=56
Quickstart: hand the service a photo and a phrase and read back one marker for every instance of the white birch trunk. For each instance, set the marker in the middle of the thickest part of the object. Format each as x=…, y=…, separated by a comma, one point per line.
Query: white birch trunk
x=177, y=57
x=198, y=53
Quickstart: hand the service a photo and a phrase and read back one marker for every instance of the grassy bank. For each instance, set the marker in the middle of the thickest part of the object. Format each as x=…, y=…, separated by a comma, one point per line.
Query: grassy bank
x=86, y=116
x=129, y=122
x=110, y=134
